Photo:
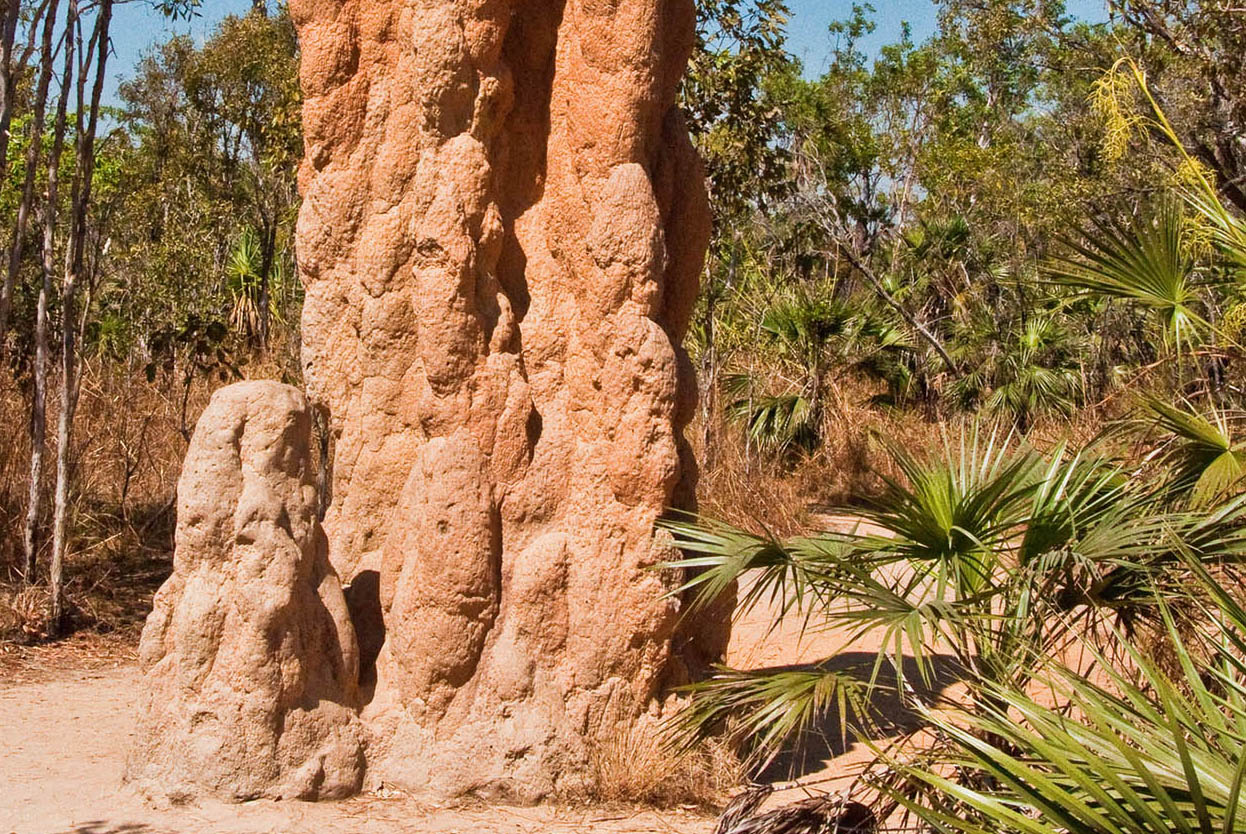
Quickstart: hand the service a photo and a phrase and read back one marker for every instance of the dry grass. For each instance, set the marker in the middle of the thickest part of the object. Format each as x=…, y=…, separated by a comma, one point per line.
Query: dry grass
x=84, y=651
x=130, y=436
x=22, y=612
x=14, y=465
x=634, y=767
x=781, y=494
x=762, y=491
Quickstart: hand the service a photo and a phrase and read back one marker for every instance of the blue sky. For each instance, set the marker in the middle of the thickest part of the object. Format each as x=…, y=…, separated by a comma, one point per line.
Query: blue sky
x=137, y=27
x=809, y=40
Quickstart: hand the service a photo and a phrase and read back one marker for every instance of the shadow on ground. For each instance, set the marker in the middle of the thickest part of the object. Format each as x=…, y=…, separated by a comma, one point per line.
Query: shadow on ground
x=811, y=752
x=105, y=827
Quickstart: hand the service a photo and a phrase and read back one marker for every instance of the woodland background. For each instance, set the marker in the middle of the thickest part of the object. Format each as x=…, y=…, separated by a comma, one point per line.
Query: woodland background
x=987, y=224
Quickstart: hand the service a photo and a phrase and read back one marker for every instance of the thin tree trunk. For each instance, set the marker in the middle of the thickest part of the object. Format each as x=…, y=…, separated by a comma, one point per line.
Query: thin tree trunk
x=38, y=411
x=33, y=153
x=921, y=329
x=268, y=250
x=8, y=77
x=38, y=429
x=709, y=386
x=84, y=170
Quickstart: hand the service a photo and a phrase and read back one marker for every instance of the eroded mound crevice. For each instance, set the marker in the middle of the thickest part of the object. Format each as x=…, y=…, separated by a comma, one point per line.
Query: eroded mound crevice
x=363, y=601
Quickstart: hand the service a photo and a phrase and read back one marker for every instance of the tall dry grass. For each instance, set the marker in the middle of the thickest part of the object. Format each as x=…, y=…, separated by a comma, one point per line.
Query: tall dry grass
x=784, y=494
x=763, y=490
x=130, y=436
x=14, y=469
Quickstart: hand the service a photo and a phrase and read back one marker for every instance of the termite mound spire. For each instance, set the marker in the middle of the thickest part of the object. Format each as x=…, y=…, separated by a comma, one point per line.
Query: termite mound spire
x=503, y=226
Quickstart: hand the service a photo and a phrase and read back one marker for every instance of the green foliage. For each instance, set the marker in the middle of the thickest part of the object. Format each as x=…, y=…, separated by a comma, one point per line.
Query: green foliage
x=1147, y=750
x=771, y=706
x=730, y=111
x=1205, y=462
x=175, y=9
x=243, y=270
x=195, y=191
x=772, y=421
x=805, y=329
x=1003, y=218
x=1147, y=263
x=1026, y=373
x=991, y=552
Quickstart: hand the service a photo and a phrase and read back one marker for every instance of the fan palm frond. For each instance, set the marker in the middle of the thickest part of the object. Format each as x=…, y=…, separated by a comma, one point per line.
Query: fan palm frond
x=775, y=421
x=1205, y=461
x=1144, y=263
x=1145, y=752
x=953, y=514
x=770, y=706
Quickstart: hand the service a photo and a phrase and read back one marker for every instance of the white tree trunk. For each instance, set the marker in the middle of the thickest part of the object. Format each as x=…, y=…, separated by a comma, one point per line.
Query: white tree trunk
x=38, y=413
x=75, y=267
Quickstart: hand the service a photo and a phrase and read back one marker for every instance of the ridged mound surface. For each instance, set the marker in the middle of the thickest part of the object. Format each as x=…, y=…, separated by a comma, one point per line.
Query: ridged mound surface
x=501, y=235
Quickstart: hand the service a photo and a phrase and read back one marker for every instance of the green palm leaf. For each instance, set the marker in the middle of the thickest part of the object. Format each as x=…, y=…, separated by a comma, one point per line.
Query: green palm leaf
x=955, y=513
x=771, y=706
x=1144, y=263
x=1143, y=754
x=1206, y=463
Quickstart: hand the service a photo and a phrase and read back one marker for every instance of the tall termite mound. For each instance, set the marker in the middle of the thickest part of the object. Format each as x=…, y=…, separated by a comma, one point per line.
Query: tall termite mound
x=503, y=226
x=501, y=235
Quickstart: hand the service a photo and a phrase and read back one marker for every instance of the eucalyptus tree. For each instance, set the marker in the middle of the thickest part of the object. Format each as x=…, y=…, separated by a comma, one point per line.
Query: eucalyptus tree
x=39, y=390
x=44, y=23
x=38, y=411
x=80, y=268
x=78, y=42
x=735, y=120
x=211, y=141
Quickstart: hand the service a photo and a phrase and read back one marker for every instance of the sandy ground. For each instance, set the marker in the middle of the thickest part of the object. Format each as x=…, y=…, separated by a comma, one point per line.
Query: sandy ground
x=66, y=720
x=64, y=738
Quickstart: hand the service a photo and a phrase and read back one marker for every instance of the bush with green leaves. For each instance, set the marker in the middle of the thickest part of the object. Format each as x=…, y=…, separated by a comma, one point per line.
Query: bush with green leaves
x=991, y=553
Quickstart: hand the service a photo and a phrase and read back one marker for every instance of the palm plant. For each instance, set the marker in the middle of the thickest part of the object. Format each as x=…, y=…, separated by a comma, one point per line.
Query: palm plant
x=254, y=296
x=1144, y=262
x=802, y=326
x=886, y=352
x=1199, y=451
x=1146, y=751
x=775, y=421
x=1031, y=372
x=244, y=273
x=991, y=553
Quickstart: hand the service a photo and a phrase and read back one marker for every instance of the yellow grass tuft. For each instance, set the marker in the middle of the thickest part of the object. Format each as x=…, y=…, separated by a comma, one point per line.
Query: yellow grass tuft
x=634, y=767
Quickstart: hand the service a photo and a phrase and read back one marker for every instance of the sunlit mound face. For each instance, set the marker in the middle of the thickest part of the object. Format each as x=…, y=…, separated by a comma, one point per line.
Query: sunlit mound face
x=502, y=228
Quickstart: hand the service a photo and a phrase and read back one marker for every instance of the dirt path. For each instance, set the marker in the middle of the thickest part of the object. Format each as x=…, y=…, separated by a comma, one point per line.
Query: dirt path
x=64, y=740
x=66, y=721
